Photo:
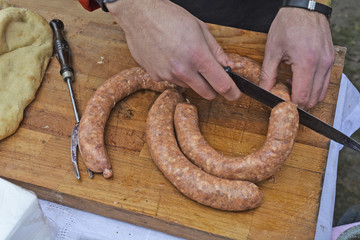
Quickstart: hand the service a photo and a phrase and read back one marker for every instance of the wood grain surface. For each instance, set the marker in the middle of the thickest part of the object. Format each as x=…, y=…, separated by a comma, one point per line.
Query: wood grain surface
x=37, y=156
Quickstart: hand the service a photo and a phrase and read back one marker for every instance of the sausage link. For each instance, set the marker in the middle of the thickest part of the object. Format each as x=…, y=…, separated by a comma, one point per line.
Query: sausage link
x=255, y=167
x=282, y=130
x=246, y=67
x=281, y=91
x=251, y=70
x=231, y=195
x=99, y=106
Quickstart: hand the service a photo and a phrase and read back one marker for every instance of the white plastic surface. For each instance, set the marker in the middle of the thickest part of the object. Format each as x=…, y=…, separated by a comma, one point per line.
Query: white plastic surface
x=21, y=216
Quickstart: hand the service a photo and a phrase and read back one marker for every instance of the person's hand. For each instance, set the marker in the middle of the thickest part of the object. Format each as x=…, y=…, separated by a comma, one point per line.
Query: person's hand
x=173, y=45
x=303, y=40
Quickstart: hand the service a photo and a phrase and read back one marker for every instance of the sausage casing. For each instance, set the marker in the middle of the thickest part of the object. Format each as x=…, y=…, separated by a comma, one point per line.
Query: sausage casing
x=99, y=106
x=255, y=167
x=231, y=195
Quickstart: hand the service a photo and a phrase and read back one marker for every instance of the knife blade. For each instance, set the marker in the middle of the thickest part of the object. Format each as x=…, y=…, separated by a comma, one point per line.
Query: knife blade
x=308, y=120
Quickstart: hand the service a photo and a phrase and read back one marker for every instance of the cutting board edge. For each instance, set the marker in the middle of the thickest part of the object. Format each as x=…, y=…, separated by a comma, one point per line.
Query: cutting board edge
x=124, y=215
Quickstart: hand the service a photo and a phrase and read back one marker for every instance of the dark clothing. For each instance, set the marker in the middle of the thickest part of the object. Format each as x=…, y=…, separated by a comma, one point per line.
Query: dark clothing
x=255, y=15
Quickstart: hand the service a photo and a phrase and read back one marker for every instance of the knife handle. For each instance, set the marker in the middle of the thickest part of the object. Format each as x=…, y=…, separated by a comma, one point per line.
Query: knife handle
x=62, y=49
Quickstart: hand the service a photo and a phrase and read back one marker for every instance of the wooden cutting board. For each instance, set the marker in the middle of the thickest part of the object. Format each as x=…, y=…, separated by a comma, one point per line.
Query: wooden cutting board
x=37, y=156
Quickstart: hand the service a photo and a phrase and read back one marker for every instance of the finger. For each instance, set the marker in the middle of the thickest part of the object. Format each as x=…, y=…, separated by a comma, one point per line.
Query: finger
x=210, y=69
x=179, y=83
x=302, y=84
x=326, y=86
x=207, y=64
x=195, y=81
x=317, y=87
x=219, y=80
x=269, y=68
x=328, y=64
x=167, y=77
x=215, y=48
x=321, y=82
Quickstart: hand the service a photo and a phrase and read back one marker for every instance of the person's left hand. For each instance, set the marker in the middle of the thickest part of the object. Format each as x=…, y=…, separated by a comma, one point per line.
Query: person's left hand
x=303, y=40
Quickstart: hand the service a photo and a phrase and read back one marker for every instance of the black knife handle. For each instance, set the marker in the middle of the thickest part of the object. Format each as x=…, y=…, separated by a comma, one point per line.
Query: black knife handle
x=62, y=49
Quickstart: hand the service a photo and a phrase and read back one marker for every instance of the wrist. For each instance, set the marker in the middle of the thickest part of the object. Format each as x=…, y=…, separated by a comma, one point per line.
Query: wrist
x=113, y=7
x=130, y=14
x=127, y=12
x=121, y=10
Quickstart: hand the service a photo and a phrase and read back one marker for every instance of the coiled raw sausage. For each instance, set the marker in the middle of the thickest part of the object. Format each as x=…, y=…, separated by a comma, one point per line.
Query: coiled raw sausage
x=255, y=167
x=282, y=130
x=231, y=195
x=99, y=106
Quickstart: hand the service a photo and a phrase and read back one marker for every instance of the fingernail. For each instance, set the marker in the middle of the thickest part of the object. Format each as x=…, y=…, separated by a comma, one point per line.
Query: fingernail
x=210, y=96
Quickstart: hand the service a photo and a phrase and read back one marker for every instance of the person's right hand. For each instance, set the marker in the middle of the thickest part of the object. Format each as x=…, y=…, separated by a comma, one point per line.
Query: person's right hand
x=173, y=45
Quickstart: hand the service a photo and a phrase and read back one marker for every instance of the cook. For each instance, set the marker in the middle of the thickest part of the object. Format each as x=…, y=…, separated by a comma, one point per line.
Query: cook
x=173, y=33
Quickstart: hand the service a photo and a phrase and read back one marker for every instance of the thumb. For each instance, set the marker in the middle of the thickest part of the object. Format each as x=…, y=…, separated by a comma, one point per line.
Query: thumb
x=269, y=71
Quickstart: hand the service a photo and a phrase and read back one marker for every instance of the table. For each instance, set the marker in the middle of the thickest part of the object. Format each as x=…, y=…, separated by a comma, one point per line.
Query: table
x=37, y=155
x=71, y=225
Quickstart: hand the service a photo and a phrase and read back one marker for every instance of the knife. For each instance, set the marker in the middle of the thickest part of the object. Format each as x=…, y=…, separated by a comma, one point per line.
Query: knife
x=308, y=120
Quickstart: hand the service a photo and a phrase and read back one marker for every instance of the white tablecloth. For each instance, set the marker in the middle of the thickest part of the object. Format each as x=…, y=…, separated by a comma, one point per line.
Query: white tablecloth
x=347, y=120
x=73, y=224
x=76, y=225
